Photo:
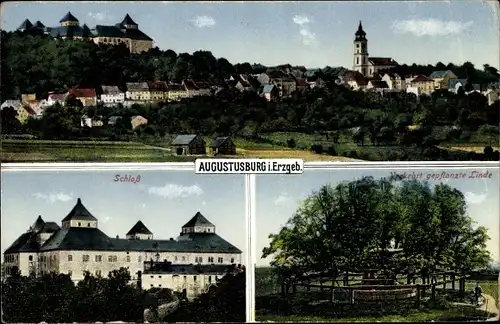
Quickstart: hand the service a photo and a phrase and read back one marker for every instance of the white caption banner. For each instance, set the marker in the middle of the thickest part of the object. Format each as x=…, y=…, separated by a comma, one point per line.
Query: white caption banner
x=249, y=166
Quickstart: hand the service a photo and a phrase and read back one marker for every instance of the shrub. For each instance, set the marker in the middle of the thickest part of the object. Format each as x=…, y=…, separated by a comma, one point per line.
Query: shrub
x=317, y=148
x=353, y=154
x=291, y=143
x=331, y=150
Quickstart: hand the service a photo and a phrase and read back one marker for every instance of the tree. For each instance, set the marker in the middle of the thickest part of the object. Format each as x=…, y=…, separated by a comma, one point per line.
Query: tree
x=10, y=123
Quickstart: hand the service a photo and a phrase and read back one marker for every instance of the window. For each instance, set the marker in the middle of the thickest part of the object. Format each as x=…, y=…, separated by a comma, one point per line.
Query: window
x=151, y=285
x=85, y=258
x=30, y=258
x=115, y=258
x=70, y=258
x=70, y=273
x=139, y=258
x=98, y=258
x=159, y=285
x=185, y=278
x=198, y=260
x=220, y=260
x=194, y=278
x=357, y=45
x=98, y=272
x=357, y=60
x=210, y=259
x=110, y=258
x=79, y=224
x=175, y=258
x=128, y=258
x=232, y=260
x=159, y=276
x=209, y=279
x=88, y=224
x=183, y=258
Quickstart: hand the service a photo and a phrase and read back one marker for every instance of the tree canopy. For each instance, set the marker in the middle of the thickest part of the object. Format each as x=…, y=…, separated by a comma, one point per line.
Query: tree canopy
x=341, y=228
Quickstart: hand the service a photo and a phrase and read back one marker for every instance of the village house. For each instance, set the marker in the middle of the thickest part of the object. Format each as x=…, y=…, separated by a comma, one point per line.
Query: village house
x=88, y=97
x=377, y=85
x=158, y=90
x=35, y=108
x=492, y=95
x=204, y=88
x=54, y=98
x=302, y=85
x=394, y=81
x=263, y=78
x=15, y=104
x=223, y=146
x=315, y=82
x=189, y=145
x=355, y=80
x=286, y=85
x=270, y=92
x=423, y=84
x=441, y=78
x=176, y=92
x=455, y=84
x=111, y=95
x=27, y=97
x=191, y=88
x=137, y=91
x=137, y=121
x=194, y=260
x=243, y=85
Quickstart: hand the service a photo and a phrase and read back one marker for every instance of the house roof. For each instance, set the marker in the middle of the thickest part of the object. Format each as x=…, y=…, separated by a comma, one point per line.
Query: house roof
x=108, y=90
x=12, y=103
x=158, y=86
x=79, y=212
x=302, y=82
x=176, y=87
x=25, y=243
x=139, y=228
x=69, y=31
x=137, y=34
x=452, y=83
x=218, y=141
x=88, y=239
x=50, y=227
x=382, y=61
x=137, y=86
x=82, y=93
x=183, y=139
x=198, y=220
x=268, y=88
x=108, y=31
x=356, y=77
x=393, y=75
x=421, y=78
x=439, y=74
x=26, y=24
x=379, y=84
x=68, y=17
x=189, y=85
x=57, y=96
x=39, y=24
x=128, y=21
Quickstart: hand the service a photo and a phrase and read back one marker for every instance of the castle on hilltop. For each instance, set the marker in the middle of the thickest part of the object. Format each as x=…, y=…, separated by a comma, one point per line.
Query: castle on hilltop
x=364, y=64
x=127, y=32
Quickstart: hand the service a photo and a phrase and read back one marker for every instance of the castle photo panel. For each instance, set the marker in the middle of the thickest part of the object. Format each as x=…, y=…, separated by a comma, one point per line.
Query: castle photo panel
x=131, y=246
x=378, y=244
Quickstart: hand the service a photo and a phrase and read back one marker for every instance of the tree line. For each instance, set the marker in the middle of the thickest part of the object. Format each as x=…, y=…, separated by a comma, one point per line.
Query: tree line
x=343, y=228
x=55, y=298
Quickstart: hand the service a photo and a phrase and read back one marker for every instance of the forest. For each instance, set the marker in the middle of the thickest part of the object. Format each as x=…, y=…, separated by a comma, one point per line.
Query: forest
x=406, y=127
x=54, y=298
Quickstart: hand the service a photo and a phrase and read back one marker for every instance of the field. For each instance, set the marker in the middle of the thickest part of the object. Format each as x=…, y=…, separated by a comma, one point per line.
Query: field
x=153, y=151
x=270, y=306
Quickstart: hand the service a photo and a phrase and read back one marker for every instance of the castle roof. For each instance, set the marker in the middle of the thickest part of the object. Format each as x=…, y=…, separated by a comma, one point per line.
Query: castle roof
x=79, y=212
x=38, y=24
x=25, y=25
x=38, y=224
x=128, y=21
x=69, y=31
x=139, y=228
x=198, y=220
x=68, y=17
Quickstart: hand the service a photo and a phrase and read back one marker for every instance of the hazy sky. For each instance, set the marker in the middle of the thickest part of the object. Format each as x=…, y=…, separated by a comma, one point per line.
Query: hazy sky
x=278, y=196
x=314, y=34
x=163, y=200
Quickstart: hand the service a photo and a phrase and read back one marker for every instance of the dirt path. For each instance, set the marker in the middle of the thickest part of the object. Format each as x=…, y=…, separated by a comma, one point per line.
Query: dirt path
x=490, y=305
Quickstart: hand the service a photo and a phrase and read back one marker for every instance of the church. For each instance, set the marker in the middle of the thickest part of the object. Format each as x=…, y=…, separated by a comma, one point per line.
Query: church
x=363, y=63
x=127, y=32
x=190, y=263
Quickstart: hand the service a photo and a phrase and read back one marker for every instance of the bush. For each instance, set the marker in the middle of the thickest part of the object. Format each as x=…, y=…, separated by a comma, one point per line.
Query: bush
x=353, y=154
x=331, y=150
x=317, y=148
x=291, y=143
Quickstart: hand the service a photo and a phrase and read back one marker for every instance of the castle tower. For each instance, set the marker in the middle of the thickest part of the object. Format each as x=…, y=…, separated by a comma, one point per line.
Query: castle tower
x=360, y=62
x=79, y=216
x=128, y=23
x=198, y=224
x=69, y=20
x=139, y=232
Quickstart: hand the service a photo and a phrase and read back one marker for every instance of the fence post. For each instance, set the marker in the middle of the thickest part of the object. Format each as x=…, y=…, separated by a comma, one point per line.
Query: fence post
x=346, y=278
x=418, y=295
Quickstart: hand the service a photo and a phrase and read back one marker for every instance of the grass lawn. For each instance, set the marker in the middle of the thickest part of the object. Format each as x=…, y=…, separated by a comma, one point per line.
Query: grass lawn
x=467, y=148
x=151, y=151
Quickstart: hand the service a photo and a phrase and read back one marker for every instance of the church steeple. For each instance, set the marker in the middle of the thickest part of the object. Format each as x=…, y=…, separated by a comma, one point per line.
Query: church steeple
x=360, y=33
x=360, y=55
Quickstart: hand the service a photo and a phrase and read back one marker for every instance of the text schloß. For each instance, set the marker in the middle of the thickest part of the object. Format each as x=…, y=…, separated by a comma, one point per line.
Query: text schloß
x=127, y=178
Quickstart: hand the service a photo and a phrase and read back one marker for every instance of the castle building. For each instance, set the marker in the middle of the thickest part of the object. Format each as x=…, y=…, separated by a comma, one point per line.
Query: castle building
x=127, y=32
x=362, y=62
x=190, y=263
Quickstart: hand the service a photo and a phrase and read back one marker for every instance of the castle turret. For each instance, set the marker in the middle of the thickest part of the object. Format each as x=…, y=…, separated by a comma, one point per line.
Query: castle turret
x=139, y=232
x=198, y=224
x=360, y=58
x=79, y=216
x=69, y=20
x=128, y=23
x=25, y=25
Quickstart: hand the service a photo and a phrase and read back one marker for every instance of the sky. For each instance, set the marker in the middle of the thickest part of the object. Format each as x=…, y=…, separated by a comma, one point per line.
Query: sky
x=279, y=196
x=313, y=34
x=163, y=200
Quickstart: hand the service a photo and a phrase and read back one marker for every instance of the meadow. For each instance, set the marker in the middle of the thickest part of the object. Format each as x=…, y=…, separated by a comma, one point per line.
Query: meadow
x=148, y=150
